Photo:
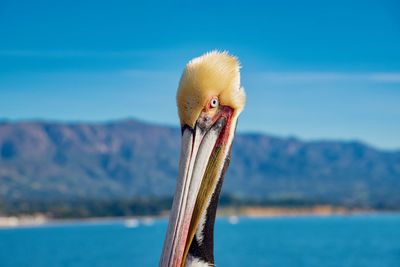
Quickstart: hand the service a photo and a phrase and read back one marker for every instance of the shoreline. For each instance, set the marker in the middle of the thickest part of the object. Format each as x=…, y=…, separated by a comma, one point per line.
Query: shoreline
x=318, y=210
x=40, y=220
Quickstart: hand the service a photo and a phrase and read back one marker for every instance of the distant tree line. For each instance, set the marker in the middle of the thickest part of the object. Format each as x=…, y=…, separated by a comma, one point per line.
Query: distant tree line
x=86, y=208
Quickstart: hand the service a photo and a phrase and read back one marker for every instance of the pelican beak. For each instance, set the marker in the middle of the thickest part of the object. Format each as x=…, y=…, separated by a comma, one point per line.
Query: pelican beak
x=200, y=164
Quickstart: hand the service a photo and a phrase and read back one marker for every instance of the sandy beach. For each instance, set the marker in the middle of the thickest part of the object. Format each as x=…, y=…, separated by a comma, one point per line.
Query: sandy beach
x=251, y=212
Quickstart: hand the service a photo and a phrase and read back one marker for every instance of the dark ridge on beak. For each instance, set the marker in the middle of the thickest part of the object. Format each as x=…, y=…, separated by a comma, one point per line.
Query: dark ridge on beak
x=184, y=127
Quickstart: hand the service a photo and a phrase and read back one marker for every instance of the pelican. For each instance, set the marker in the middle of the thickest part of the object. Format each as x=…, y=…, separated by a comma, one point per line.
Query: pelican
x=209, y=99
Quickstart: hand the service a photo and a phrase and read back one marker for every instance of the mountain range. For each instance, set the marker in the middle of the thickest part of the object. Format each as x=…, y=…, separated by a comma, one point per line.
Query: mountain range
x=57, y=161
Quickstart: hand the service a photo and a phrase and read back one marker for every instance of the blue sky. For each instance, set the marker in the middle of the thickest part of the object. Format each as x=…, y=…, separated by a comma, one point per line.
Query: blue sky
x=311, y=69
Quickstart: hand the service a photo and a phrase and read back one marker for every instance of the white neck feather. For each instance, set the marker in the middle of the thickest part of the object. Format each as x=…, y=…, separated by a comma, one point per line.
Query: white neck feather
x=195, y=262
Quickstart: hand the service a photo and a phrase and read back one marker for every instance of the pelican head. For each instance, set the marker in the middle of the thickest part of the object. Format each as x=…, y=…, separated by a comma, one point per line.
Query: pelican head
x=209, y=101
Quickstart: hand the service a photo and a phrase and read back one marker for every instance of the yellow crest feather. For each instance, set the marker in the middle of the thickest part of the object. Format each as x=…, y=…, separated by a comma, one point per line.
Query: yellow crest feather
x=212, y=74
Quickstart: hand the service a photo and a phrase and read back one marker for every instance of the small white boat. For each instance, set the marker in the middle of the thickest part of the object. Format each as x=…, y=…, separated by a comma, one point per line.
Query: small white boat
x=131, y=223
x=147, y=221
x=233, y=219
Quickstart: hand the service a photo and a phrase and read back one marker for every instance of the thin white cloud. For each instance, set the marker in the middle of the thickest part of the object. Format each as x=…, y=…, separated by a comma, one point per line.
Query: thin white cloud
x=387, y=77
x=280, y=77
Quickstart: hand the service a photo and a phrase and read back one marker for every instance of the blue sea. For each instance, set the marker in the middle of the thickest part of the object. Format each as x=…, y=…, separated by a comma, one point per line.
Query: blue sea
x=336, y=241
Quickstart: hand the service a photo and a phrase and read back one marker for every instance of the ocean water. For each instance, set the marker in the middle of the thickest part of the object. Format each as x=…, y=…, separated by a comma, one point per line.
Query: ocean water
x=338, y=241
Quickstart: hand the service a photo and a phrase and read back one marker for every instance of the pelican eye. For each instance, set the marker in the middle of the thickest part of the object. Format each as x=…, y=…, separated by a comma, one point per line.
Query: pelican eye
x=214, y=102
